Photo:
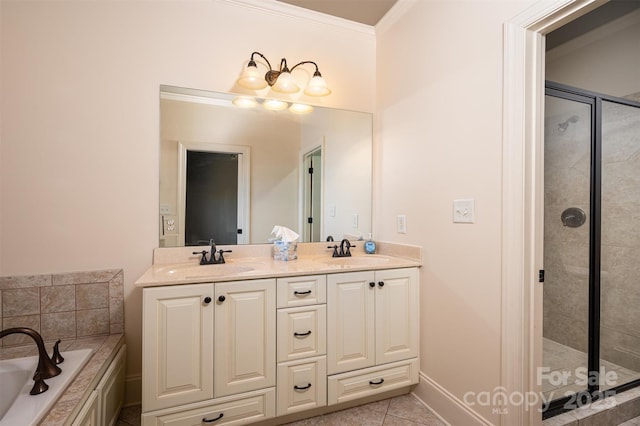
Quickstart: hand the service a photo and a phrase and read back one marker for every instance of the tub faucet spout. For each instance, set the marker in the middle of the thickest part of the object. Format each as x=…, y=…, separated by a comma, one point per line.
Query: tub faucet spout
x=46, y=368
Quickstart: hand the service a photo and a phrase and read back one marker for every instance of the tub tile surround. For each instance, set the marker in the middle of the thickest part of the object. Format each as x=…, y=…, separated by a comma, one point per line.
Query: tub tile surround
x=83, y=309
x=65, y=306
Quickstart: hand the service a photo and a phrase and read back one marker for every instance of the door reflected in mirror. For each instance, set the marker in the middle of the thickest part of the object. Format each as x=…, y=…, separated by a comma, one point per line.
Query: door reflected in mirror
x=310, y=173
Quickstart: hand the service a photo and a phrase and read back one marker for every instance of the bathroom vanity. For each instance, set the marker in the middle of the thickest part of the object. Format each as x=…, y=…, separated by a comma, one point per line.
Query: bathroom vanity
x=255, y=339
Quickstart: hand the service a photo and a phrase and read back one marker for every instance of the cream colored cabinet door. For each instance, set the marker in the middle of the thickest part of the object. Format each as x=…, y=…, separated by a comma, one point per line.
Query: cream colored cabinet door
x=177, y=349
x=397, y=314
x=245, y=336
x=89, y=415
x=350, y=321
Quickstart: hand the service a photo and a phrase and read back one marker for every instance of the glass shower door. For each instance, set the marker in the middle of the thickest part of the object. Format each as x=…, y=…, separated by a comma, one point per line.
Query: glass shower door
x=568, y=189
x=620, y=243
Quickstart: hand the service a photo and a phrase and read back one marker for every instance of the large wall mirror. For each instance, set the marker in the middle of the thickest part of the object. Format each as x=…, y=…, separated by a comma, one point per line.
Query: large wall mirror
x=231, y=174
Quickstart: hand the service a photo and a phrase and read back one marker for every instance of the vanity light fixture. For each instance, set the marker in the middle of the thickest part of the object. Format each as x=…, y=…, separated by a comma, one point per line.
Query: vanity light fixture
x=245, y=102
x=274, y=105
x=300, y=108
x=281, y=79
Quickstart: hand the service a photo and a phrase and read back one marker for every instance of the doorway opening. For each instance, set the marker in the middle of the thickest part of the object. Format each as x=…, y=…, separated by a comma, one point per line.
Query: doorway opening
x=312, y=195
x=213, y=194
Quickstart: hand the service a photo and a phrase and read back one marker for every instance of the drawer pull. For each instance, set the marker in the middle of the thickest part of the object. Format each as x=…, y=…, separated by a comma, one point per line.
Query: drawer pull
x=296, y=387
x=302, y=293
x=206, y=420
x=302, y=334
x=379, y=382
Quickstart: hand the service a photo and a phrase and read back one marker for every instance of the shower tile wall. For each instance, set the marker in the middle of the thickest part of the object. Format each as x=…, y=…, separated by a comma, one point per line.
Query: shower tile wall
x=566, y=249
x=620, y=288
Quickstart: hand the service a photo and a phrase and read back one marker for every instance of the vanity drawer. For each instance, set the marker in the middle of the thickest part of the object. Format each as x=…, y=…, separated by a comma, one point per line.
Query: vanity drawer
x=302, y=385
x=358, y=384
x=301, y=291
x=243, y=409
x=302, y=332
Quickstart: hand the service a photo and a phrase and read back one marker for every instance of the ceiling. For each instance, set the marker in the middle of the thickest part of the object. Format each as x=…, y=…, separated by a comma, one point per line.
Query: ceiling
x=367, y=12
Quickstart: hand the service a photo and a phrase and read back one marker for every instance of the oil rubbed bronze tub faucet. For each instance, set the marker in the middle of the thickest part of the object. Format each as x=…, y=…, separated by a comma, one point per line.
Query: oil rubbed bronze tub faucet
x=46, y=367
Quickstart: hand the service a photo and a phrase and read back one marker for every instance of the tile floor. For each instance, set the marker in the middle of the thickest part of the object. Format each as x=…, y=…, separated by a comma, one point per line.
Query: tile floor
x=563, y=359
x=403, y=410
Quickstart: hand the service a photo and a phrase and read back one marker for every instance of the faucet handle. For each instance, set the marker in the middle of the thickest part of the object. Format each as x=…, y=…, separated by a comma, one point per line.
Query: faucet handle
x=335, y=250
x=203, y=253
x=39, y=385
x=221, y=257
x=57, y=357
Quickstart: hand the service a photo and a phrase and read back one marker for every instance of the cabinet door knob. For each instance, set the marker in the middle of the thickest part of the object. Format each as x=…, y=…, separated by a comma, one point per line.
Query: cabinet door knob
x=379, y=382
x=372, y=284
x=221, y=299
x=381, y=283
x=296, y=387
x=206, y=420
x=207, y=300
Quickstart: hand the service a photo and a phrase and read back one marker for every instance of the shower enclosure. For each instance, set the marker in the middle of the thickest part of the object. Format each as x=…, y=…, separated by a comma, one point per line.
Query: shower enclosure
x=591, y=247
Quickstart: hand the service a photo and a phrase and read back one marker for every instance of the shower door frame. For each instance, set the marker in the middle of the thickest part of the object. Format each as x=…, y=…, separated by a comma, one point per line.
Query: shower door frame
x=592, y=392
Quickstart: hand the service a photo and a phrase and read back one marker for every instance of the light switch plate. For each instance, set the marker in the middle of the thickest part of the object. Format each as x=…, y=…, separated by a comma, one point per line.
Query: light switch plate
x=464, y=211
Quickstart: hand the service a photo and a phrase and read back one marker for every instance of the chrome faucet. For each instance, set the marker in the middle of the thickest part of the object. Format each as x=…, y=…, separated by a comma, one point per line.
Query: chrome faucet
x=46, y=368
x=212, y=256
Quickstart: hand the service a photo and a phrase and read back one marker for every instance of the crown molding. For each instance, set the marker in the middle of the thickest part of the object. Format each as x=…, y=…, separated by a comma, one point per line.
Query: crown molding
x=396, y=12
x=294, y=12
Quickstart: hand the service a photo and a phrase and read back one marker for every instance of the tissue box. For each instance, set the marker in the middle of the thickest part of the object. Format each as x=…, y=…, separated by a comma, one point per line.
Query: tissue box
x=285, y=250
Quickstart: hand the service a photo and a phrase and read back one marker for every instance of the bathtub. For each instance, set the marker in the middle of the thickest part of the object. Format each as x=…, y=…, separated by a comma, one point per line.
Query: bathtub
x=17, y=407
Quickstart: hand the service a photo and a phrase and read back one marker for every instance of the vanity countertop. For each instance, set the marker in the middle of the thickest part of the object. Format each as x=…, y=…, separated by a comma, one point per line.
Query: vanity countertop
x=72, y=399
x=179, y=266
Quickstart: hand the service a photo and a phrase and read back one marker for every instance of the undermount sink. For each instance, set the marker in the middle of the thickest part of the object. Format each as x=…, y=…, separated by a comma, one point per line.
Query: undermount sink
x=369, y=260
x=189, y=270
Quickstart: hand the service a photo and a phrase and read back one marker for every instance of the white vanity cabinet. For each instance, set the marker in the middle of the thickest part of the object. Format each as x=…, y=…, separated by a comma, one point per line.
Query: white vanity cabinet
x=240, y=352
x=372, y=326
x=206, y=349
x=302, y=344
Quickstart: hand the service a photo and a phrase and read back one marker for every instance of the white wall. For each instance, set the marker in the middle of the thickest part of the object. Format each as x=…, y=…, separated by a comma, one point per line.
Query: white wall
x=79, y=134
x=439, y=110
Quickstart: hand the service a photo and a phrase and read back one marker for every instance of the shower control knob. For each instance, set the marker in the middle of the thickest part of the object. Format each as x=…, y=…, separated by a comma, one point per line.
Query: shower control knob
x=207, y=300
x=221, y=299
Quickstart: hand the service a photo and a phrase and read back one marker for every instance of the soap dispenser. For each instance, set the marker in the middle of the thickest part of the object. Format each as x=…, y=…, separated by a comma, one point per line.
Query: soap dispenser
x=370, y=245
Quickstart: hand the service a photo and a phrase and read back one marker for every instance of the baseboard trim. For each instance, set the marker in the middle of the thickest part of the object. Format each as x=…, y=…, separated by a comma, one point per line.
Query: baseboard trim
x=449, y=408
x=132, y=390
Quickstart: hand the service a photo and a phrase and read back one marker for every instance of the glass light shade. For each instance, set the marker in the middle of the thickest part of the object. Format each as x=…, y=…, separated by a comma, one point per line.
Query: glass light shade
x=285, y=84
x=317, y=87
x=245, y=102
x=252, y=79
x=300, y=108
x=274, y=105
